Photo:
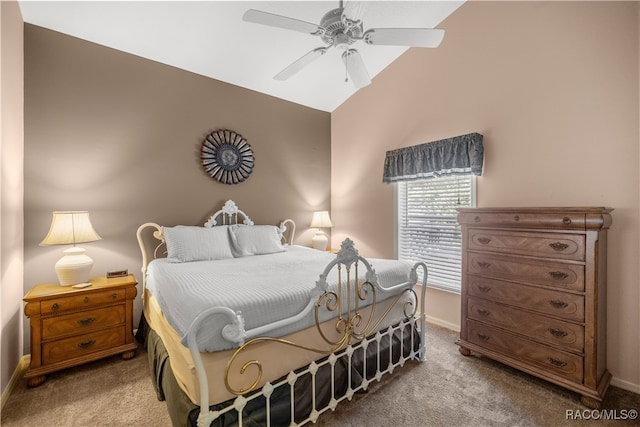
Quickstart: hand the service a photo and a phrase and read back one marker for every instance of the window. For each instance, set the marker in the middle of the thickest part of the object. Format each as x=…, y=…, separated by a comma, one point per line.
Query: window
x=427, y=227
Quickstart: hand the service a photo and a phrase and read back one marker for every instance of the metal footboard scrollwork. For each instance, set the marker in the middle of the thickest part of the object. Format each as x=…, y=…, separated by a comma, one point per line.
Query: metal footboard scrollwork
x=354, y=328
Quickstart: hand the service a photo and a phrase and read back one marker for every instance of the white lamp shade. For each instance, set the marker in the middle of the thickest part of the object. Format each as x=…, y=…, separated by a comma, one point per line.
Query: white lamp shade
x=321, y=219
x=71, y=227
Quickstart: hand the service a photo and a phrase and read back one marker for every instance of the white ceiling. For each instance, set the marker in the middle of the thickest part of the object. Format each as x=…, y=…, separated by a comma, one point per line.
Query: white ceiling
x=210, y=38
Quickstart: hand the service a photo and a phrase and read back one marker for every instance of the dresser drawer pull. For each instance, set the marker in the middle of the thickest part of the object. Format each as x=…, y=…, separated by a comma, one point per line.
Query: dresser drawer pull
x=484, y=240
x=114, y=296
x=559, y=333
x=557, y=362
x=87, y=321
x=516, y=218
x=483, y=337
x=558, y=275
x=55, y=306
x=558, y=304
x=558, y=246
x=484, y=312
x=476, y=219
x=484, y=264
x=566, y=220
x=86, y=300
x=484, y=288
x=86, y=344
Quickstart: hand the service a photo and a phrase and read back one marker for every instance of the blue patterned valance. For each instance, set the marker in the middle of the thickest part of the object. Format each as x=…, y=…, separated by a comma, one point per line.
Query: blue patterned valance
x=458, y=155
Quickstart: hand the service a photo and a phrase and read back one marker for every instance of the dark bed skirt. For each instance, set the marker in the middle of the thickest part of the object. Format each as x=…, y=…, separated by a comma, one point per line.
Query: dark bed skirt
x=183, y=412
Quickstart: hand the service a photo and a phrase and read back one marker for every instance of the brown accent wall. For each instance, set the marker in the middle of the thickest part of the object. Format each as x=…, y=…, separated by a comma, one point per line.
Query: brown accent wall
x=553, y=87
x=120, y=136
x=11, y=189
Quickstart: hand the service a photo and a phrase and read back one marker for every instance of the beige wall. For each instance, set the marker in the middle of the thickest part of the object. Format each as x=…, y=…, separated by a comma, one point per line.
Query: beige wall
x=120, y=136
x=553, y=87
x=11, y=188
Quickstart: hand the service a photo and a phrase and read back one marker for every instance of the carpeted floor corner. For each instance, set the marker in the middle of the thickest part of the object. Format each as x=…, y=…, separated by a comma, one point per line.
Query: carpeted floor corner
x=447, y=390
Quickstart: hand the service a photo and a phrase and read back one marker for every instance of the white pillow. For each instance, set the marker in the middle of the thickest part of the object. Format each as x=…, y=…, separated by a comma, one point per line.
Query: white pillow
x=256, y=239
x=191, y=243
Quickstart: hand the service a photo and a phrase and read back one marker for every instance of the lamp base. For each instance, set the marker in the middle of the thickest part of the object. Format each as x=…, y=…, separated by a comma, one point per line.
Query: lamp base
x=74, y=267
x=319, y=241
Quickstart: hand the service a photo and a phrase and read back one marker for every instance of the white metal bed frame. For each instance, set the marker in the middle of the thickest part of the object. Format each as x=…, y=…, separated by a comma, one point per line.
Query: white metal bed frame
x=351, y=325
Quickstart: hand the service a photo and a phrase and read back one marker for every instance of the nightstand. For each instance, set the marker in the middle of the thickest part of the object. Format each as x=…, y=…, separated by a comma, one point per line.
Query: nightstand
x=71, y=326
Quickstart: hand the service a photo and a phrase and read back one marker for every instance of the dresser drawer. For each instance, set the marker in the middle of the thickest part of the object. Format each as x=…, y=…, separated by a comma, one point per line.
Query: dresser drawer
x=543, y=329
x=523, y=219
x=559, y=362
x=548, y=245
x=69, y=348
x=53, y=327
x=540, y=272
x=81, y=301
x=557, y=303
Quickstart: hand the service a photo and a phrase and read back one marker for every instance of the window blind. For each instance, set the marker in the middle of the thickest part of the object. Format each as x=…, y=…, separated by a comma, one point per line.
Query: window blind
x=427, y=227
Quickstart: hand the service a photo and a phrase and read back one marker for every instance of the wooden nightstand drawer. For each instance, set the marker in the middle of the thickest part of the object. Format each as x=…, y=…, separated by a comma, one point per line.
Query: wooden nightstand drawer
x=81, y=322
x=548, y=245
x=69, y=348
x=85, y=300
x=547, y=330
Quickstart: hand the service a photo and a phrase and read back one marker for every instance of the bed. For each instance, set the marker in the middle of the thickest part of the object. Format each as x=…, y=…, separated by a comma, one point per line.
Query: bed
x=242, y=327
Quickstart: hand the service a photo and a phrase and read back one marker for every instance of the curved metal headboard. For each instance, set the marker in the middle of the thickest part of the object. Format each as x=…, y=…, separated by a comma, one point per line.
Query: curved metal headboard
x=228, y=215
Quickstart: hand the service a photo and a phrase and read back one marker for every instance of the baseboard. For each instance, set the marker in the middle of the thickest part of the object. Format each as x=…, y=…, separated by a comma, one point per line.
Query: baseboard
x=626, y=385
x=442, y=323
x=23, y=365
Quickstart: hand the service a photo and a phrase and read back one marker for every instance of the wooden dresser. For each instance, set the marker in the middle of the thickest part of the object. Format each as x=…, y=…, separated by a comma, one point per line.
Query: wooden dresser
x=72, y=326
x=534, y=293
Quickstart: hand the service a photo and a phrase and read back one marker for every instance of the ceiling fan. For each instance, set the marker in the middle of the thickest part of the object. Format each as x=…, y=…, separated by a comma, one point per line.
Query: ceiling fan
x=340, y=28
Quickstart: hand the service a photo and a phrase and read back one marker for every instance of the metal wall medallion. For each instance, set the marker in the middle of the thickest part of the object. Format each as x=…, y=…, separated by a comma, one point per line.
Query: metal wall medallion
x=227, y=156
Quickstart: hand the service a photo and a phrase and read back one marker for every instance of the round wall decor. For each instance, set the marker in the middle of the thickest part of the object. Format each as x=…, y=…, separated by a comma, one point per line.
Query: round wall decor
x=227, y=156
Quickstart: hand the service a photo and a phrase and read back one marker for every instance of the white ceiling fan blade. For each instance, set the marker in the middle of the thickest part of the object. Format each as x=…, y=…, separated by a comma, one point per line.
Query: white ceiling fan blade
x=418, y=37
x=272, y=20
x=356, y=68
x=300, y=63
x=355, y=10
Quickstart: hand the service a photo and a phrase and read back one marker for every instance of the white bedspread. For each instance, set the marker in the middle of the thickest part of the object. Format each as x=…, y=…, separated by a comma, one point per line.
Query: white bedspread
x=265, y=288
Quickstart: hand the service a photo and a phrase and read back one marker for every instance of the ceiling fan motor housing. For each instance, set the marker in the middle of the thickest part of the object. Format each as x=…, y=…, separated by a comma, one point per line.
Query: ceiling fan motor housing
x=339, y=31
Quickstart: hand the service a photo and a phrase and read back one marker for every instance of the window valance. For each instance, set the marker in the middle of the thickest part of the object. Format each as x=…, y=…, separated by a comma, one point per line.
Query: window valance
x=458, y=155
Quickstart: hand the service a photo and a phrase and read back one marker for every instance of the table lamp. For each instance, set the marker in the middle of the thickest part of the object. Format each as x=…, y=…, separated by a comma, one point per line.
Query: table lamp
x=320, y=220
x=71, y=227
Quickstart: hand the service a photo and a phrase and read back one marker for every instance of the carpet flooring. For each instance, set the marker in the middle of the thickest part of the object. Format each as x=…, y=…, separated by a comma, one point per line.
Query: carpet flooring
x=447, y=390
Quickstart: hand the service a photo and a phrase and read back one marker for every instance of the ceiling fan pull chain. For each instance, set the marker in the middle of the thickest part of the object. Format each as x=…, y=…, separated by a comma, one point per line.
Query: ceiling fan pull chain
x=346, y=68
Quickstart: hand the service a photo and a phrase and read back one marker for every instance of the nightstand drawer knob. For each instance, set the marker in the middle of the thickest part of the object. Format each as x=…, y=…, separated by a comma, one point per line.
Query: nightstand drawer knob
x=86, y=344
x=87, y=321
x=55, y=306
x=114, y=296
x=484, y=288
x=484, y=312
x=484, y=240
x=86, y=300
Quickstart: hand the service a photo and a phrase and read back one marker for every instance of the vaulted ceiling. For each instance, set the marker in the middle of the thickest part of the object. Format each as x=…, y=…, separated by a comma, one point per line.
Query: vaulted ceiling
x=210, y=38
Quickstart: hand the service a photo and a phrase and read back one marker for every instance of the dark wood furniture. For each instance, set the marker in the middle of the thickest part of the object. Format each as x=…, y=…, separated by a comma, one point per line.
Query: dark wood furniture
x=534, y=293
x=71, y=326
